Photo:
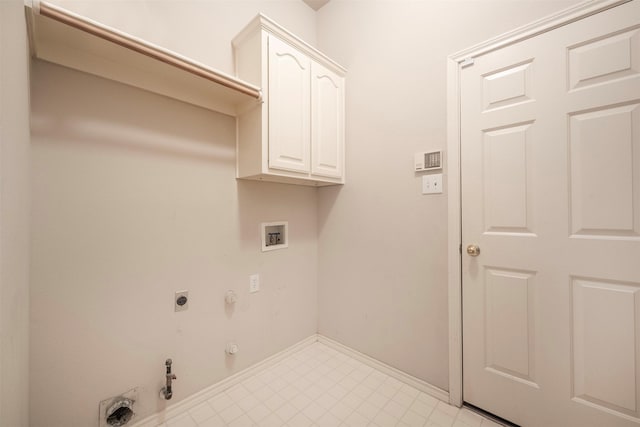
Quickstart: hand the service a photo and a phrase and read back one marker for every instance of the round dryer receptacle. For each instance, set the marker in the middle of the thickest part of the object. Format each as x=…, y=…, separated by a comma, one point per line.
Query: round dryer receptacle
x=120, y=412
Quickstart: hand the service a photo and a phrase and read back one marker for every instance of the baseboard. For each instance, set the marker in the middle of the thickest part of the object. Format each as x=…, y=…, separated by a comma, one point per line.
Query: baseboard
x=209, y=392
x=417, y=383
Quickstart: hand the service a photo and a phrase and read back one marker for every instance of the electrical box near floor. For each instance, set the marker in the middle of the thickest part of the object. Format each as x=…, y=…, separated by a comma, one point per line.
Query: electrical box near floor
x=275, y=235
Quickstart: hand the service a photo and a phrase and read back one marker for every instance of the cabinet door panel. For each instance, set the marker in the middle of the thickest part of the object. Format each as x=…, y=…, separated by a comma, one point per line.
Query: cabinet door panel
x=289, y=107
x=327, y=122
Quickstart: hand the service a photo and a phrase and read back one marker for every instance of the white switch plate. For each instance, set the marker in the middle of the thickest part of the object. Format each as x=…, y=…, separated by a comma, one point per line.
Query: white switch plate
x=432, y=184
x=254, y=283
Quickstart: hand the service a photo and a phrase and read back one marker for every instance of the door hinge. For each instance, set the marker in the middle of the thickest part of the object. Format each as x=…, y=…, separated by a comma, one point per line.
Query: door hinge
x=460, y=248
x=467, y=62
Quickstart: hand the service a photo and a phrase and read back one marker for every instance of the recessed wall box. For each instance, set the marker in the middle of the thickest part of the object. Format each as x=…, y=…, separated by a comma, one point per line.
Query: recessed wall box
x=428, y=161
x=275, y=235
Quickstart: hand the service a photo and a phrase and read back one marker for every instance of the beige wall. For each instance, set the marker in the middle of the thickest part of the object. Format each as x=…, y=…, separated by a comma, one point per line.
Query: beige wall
x=14, y=216
x=135, y=197
x=382, y=244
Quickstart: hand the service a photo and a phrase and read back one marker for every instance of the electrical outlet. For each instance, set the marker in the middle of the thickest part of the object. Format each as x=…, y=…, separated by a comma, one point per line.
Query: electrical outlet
x=254, y=283
x=181, y=300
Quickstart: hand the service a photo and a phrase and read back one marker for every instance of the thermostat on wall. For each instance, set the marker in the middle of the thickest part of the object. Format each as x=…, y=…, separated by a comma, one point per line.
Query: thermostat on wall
x=427, y=161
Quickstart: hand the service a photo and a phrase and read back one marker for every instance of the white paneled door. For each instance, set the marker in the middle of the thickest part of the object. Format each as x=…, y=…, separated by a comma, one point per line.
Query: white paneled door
x=550, y=159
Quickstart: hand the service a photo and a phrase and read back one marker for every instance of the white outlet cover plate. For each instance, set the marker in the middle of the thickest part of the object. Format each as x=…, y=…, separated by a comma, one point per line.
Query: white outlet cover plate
x=432, y=184
x=254, y=283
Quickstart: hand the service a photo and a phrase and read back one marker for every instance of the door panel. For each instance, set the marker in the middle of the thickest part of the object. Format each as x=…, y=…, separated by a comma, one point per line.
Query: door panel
x=605, y=153
x=327, y=125
x=506, y=87
x=506, y=189
x=510, y=324
x=605, y=361
x=550, y=161
x=604, y=58
x=289, y=107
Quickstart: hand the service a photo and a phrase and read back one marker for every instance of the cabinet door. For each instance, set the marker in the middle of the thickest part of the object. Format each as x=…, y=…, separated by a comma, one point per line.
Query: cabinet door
x=327, y=122
x=289, y=107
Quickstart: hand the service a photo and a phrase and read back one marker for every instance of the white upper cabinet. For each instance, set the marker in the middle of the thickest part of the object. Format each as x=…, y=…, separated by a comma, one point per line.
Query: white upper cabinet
x=327, y=122
x=289, y=107
x=296, y=135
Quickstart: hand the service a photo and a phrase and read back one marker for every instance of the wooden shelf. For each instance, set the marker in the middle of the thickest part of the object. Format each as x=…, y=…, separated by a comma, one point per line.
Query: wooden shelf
x=62, y=37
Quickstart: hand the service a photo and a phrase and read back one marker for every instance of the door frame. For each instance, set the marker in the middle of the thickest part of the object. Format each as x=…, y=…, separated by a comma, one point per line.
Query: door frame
x=455, y=63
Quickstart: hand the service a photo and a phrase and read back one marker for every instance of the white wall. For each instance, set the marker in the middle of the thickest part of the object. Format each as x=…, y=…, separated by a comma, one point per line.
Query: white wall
x=382, y=244
x=14, y=216
x=134, y=197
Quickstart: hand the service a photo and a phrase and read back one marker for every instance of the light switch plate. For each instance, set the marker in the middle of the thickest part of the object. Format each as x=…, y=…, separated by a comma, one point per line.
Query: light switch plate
x=432, y=184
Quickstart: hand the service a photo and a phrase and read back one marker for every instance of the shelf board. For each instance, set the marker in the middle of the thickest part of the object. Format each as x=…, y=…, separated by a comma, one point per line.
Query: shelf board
x=62, y=37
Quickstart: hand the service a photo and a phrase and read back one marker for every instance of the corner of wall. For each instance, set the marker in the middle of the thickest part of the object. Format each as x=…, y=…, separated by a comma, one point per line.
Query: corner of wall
x=14, y=215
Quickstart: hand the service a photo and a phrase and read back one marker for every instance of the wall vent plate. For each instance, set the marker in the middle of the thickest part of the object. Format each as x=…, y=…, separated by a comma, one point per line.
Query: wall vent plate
x=428, y=161
x=275, y=235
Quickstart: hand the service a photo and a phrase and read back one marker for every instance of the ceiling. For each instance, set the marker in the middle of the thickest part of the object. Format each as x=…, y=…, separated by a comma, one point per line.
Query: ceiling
x=316, y=4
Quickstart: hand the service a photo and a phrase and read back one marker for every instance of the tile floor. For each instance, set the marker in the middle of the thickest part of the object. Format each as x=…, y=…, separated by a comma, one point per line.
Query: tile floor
x=321, y=387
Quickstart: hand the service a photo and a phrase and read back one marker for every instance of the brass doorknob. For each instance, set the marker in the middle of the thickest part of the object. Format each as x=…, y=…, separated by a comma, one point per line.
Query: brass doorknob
x=473, y=250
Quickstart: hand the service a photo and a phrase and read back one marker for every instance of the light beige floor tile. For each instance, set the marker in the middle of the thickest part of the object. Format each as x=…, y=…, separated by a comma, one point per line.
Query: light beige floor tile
x=395, y=409
x=412, y=419
x=300, y=420
x=259, y=412
x=422, y=408
x=183, y=420
x=201, y=412
x=220, y=402
x=275, y=401
x=368, y=410
x=441, y=418
x=328, y=420
x=214, y=421
x=286, y=411
x=271, y=420
x=447, y=409
x=313, y=411
x=231, y=413
x=356, y=420
x=242, y=421
x=341, y=410
x=320, y=387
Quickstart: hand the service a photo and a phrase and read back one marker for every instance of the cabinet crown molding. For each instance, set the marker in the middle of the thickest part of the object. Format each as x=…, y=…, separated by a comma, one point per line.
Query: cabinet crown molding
x=263, y=22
